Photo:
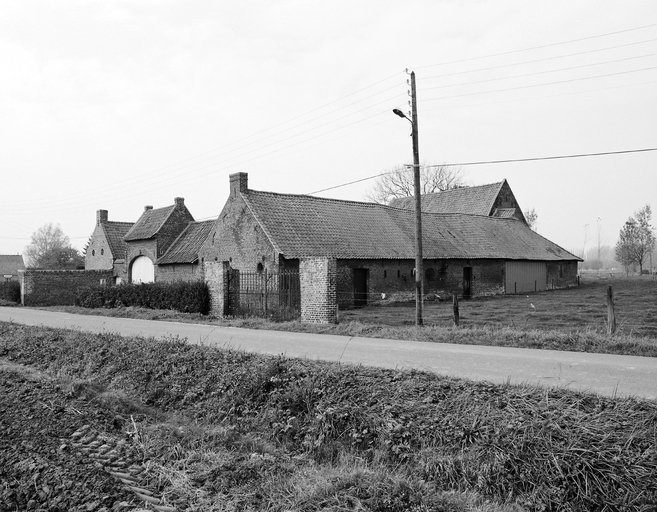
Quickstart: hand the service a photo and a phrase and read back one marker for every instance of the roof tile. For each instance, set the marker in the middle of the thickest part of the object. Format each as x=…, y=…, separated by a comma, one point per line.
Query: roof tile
x=477, y=200
x=149, y=223
x=186, y=247
x=303, y=226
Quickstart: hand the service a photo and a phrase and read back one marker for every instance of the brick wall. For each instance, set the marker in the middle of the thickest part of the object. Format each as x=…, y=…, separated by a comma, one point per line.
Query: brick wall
x=561, y=274
x=179, y=272
x=318, y=290
x=395, y=279
x=140, y=248
x=216, y=274
x=57, y=287
x=174, y=225
x=238, y=239
x=98, y=255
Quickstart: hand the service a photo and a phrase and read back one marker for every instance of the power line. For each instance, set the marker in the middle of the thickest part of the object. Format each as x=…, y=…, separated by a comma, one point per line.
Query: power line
x=537, y=60
x=536, y=47
x=541, y=72
x=490, y=162
x=543, y=84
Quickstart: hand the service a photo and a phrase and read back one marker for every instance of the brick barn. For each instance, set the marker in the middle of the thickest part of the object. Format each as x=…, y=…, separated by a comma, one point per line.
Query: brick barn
x=351, y=253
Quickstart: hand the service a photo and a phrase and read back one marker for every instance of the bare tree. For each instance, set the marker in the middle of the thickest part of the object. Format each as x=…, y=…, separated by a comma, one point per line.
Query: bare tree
x=636, y=239
x=531, y=217
x=398, y=182
x=51, y=249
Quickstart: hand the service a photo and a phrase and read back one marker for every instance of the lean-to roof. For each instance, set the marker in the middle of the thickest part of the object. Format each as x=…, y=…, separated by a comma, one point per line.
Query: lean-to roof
x=186, y=247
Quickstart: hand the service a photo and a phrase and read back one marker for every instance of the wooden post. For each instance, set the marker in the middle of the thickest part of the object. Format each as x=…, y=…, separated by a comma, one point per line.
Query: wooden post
x=455, y=305
x=611, y=315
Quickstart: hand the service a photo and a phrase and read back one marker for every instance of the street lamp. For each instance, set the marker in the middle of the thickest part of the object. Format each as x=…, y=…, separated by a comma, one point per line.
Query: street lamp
x=419, y=292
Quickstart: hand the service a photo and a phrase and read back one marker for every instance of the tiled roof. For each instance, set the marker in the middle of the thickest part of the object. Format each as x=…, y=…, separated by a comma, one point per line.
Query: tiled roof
x=11, y=264
x=472, y=200
x=186, y=247
x=115, y=232
x=302, y=226
x=149, y=223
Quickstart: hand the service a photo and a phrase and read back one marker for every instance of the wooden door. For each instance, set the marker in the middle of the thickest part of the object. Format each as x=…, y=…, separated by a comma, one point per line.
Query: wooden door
x=360, y=287
x=467, y=282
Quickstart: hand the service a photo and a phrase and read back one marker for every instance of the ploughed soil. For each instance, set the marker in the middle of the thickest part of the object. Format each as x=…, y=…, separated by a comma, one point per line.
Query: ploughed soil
x=40, y=467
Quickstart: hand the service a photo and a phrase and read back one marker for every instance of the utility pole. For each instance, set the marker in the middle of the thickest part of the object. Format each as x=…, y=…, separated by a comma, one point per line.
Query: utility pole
x=419, y=274
x=419, y=285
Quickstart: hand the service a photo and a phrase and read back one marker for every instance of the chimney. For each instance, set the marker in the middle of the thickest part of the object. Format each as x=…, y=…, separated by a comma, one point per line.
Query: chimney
x=180, y=202
x=101, y=217
x=148, y=207
x=239, y=182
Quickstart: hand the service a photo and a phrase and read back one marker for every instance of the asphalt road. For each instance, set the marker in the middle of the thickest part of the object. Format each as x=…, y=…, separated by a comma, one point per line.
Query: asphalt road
x=605, y=374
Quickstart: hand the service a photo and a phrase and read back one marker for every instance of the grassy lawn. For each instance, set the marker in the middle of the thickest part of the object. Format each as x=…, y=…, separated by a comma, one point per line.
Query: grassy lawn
x=576, y=309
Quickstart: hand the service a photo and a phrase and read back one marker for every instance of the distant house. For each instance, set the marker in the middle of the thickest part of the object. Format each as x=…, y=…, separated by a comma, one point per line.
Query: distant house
x=371, y=246
x=181, y=261
x=492, y=200
x=152, y=236
x=107, y=249
x=10, y=264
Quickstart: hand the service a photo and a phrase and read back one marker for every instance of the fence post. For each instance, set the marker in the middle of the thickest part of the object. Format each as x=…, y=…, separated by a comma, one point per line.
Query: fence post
x=266, y=282
x=455, y=306
x=611, y=314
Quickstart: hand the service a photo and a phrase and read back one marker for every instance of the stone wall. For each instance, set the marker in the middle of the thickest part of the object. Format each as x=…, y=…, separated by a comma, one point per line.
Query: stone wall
x=318, y=290
x=58, y=287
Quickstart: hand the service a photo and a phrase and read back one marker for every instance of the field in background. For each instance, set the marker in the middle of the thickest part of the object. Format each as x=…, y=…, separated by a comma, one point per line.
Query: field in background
x=574, y=309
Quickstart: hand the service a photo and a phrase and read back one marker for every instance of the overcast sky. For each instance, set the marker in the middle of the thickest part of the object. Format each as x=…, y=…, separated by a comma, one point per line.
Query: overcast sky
x=119, y=104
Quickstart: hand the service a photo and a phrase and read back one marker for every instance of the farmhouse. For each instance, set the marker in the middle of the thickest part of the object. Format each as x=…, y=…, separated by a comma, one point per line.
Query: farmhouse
x=106, y=248
x=162, y=245
x=10, y=264
x=350, y=253
x=493, y=200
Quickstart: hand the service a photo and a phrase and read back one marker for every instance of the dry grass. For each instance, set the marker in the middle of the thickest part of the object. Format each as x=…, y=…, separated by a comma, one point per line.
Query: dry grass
x=572, y=319
x=227, y=430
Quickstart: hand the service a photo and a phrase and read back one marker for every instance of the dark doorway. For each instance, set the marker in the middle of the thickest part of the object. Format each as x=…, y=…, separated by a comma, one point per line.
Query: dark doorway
x=467, y=282
x=360, y=287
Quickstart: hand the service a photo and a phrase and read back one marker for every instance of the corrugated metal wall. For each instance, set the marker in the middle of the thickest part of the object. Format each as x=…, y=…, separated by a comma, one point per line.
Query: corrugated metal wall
x=525, y=276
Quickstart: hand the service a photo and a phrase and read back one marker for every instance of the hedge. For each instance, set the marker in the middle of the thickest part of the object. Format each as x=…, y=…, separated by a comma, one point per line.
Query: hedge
x=187, y=297
x=10, y=291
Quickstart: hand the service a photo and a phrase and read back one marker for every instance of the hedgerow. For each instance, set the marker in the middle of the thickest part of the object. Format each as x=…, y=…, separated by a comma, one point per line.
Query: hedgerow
x=543, y=449
x=186, y=297
x=10, y=290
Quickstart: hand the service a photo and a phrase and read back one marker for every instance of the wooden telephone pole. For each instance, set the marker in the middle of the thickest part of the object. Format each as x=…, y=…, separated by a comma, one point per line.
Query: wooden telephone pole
x=419, y=286
x=419, y=271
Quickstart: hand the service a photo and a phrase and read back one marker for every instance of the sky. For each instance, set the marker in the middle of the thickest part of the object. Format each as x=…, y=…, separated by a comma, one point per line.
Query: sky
x=116, y=105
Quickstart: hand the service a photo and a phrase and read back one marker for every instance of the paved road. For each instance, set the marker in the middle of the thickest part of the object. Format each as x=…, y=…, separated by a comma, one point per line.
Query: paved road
x=602, y=373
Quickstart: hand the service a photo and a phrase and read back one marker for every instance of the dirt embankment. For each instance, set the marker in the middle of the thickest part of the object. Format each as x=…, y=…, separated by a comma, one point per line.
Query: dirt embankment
x=41, y=468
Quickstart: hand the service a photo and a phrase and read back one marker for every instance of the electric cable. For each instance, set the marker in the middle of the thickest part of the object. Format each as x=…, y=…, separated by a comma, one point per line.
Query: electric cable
x=491, y=162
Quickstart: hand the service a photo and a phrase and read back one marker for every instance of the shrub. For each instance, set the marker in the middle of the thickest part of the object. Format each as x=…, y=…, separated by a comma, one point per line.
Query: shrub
x=11, y=291
x=186, y=297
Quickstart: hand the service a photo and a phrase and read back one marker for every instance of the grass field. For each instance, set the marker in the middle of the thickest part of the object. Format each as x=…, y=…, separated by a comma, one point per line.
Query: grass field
x=222, y=430
x=575, y=309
